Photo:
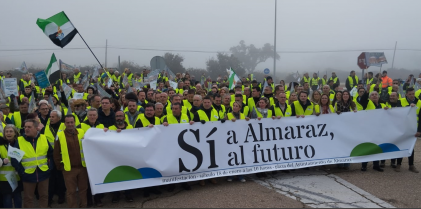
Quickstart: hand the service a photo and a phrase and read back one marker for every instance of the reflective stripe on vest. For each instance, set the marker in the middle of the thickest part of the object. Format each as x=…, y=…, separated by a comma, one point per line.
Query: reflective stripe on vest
x=34, y=158
x=65, y=151
x=202, y=115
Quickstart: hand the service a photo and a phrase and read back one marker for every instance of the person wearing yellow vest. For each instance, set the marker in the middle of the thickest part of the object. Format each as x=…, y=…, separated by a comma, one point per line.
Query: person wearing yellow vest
x=69, y=158
x=324, y=106
x=410, y=100
x=306, y=79
x=262, y=110
x=34, y=168
x=28, y=93
x=252, y=101
x=281, y=107
x=315, y=82
x=25, y=81
x=50, y=131
x=10, y=197
x=324, y=80
x=63, y=78
x=351, y=81
x=177, y=99
x=129, y=75
x=7, y=115
x=148, y=119
x=270, y=82
x=159, y=111
x=20, y=116
x=76, y=76
x=217, y=105
x=239, y=98
x=177, y=117
x=335, y=79
x=268, y=93
x=303, y=106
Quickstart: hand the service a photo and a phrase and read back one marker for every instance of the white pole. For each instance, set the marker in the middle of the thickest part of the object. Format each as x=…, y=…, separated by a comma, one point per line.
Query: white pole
x=274, y=45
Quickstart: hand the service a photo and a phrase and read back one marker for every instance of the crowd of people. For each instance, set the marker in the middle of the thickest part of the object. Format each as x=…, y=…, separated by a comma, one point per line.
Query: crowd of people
x=50, y=134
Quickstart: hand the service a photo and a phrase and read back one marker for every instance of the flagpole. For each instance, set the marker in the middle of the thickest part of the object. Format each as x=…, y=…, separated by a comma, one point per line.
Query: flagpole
x=84, y=41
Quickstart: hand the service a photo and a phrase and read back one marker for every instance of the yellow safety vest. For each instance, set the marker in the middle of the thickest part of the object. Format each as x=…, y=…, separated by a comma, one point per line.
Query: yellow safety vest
x=33, y=159
x=314, y=81
x=369, y=81
x=261, y=116
x=251, y=104
x=172, y=120
x=371, y=106
x=187, y=104
x=183, y=110
x=306, y=80
x=231, y=116
x=25, y=83
x=50, y=136
x=351, y=82
x=221, y=112
x=317, y=108
x=299, y=109
x=65, y=152
x=76, y=77
x=335, y=80
x=278, y=111
x=85, y=127
x=114, y=128
x=203, y=116
x=129, y=78
x=324, y=81
x=145, y=121
x=6, y=169
x=17, y=119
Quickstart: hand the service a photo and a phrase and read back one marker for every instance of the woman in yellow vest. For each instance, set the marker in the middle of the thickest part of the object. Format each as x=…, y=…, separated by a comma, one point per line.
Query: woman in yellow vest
x=11, y=134
x=262, y=109
x=324, y=106
x=236, y=113
x=303, y=106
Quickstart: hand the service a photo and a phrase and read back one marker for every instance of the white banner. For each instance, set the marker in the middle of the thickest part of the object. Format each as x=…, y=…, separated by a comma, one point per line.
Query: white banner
x=10, y=87
x=162, y=155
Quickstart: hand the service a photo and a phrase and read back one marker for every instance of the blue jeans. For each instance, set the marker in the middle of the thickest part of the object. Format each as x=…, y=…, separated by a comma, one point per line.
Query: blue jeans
x=17, y=199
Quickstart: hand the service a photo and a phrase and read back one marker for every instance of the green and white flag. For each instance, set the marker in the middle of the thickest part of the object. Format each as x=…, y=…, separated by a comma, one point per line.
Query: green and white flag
x=58, y=28
x=233, y=78
x=53, y=70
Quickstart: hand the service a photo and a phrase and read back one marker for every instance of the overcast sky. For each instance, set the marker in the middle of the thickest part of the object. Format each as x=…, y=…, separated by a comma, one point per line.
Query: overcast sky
x=209, y=26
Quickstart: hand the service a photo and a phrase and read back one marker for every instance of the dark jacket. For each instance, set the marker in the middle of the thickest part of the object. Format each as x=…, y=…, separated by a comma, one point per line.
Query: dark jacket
x=107, y=121
x=38, y=175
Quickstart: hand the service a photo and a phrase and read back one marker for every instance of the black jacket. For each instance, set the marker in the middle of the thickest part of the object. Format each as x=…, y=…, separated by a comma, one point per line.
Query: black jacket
x=107, y=121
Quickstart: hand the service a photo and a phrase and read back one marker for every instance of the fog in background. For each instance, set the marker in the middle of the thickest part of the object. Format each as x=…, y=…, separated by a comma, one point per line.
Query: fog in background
x=311, y=35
